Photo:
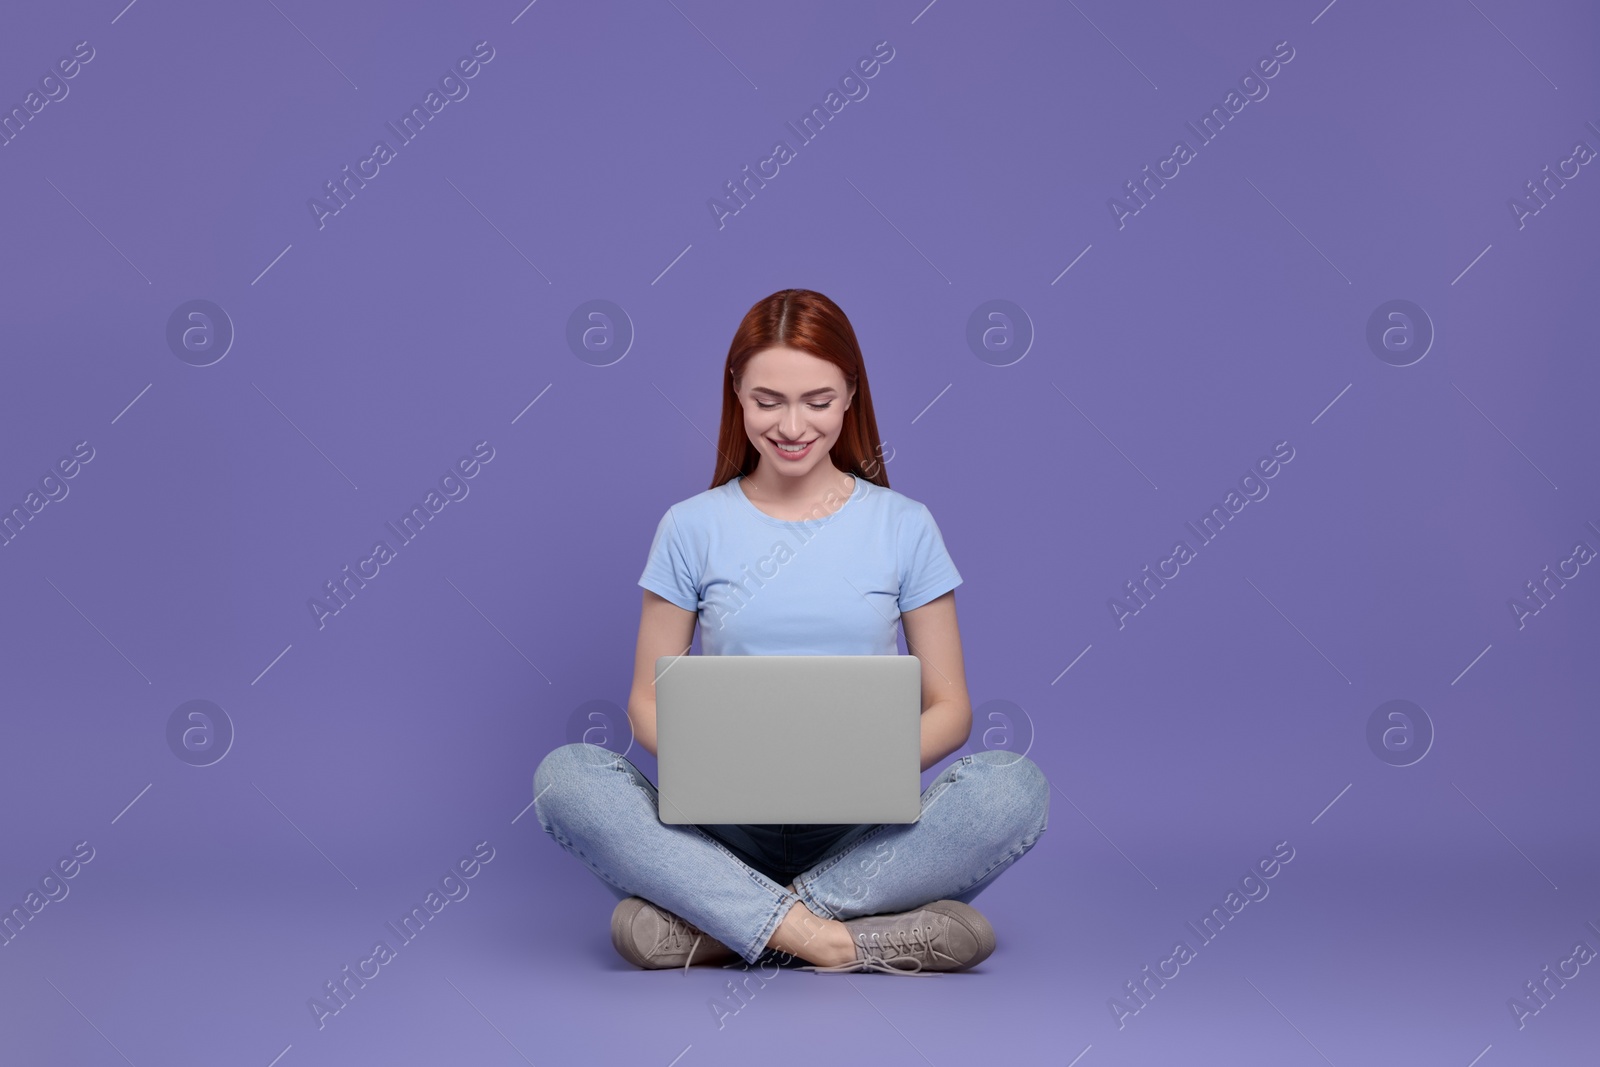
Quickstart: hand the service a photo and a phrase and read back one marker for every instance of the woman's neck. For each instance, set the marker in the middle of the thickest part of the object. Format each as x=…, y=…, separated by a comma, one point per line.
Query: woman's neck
x=823, y=485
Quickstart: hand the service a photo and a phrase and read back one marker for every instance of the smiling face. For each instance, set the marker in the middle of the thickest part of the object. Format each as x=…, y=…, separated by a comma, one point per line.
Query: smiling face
x=792, y=397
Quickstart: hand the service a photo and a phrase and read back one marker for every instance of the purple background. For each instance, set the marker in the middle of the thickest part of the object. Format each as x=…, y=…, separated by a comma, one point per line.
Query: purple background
x=432, y=312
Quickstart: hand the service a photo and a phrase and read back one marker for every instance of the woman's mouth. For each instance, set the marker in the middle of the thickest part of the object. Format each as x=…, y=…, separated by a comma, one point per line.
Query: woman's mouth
x=791, y=451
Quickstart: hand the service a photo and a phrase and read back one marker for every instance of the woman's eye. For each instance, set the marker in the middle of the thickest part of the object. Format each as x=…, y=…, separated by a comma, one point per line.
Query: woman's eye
x=815, y=407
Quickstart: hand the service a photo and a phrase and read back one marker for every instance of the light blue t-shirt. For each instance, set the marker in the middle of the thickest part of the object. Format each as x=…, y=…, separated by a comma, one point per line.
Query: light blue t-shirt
x=835, y=585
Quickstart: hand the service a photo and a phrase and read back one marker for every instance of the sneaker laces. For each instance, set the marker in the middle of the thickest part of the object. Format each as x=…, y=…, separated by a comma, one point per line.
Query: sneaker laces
x=678, y=930
x=887, y=951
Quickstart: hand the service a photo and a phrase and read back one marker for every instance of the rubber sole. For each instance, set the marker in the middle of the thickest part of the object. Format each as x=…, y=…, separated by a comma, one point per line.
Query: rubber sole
x=622, y=938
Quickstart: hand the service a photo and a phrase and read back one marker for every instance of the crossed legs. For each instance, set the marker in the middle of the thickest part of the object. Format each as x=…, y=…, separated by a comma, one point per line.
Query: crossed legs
x=803, y=933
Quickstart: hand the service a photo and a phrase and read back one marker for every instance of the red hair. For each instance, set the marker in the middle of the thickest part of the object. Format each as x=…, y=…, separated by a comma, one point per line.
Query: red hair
x=811, y=323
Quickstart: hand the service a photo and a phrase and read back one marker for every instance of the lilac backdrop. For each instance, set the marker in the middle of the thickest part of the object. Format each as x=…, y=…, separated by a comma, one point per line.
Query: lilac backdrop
x=1067, y=374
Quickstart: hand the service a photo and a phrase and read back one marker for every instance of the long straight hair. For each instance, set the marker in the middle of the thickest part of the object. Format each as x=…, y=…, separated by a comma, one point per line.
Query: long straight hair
x=808, y=322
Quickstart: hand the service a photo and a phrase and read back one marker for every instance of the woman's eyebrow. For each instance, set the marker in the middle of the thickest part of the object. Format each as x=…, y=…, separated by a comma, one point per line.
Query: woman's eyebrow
x=809, y=392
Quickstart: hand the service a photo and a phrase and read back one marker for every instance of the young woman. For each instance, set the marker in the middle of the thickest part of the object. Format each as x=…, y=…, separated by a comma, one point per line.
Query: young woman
x=799, y=548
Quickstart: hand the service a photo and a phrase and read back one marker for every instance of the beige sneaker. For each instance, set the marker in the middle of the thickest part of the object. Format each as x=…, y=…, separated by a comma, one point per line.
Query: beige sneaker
x=654, y=938
x=946, y=935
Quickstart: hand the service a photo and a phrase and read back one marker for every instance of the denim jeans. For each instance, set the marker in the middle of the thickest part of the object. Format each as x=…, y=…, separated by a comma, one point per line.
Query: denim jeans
x=978, y=817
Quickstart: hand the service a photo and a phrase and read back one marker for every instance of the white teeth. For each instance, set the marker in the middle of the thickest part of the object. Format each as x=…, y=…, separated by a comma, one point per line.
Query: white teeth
x=795, y=448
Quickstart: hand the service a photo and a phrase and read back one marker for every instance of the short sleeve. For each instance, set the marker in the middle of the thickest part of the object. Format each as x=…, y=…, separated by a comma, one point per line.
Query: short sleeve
x=668, y=571
x=926, y=570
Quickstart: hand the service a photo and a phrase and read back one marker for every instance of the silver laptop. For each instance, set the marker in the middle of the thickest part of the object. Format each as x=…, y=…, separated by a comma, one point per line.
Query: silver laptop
x=789, y=739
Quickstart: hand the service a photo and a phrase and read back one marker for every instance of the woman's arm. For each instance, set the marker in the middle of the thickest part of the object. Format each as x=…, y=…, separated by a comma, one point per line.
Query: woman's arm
x=933, y=636
x=664, y=630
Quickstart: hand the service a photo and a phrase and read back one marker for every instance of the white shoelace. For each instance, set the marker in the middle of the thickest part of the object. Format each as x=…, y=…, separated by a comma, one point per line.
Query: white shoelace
x=909, y=945
x=677, y=929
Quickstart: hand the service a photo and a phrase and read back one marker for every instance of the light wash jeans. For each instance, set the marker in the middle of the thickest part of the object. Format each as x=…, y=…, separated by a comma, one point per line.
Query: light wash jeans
x=979, y=816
